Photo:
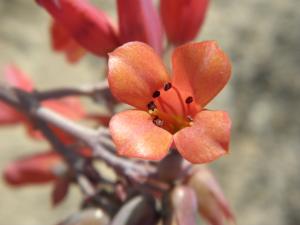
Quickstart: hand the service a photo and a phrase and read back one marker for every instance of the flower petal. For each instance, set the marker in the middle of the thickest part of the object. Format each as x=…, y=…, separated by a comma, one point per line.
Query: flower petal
x=182, y=19
x=134, y=73
x=88, y=25
x=139, y=21
x=207, y=139
x=62, y=41
x=9, y=115
x=202, y=68
x=135, y=135
x=69, y=107
x=15, y=77
x=38, y=168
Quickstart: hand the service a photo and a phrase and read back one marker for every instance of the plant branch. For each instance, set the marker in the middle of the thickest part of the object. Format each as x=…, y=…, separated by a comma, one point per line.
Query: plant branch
x=89, y=90
x=99, y=140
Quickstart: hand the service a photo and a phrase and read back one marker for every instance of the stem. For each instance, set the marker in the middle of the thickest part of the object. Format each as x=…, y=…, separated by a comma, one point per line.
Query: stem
x=98, y=140
x=90, y=91
x=65, y=124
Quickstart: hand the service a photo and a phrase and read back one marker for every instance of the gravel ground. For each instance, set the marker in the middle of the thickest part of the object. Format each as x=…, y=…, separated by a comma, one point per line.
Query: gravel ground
x=260, y=176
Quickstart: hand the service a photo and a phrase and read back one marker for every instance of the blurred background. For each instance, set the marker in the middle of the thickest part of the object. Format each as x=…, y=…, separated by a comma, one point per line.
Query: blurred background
x=260, y=177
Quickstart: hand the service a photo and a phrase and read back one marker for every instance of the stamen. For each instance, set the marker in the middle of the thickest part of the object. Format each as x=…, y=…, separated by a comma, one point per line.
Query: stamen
x=155, y=94
x=189, y=100
x=158, y=122
x=167, y=86
x=180, y=100
x=151, y=105
x=189, y=118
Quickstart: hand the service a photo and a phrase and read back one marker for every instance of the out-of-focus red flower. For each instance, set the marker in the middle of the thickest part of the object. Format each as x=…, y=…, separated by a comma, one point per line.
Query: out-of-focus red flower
x=79, y=26
x=182, y=19
x=139, y=21
x=8, y=115
x=63, y=42
x=38, y=168
x=169, y=109
x=89, y=26
x=16, y=78
x=212, y=204
x=69, y=107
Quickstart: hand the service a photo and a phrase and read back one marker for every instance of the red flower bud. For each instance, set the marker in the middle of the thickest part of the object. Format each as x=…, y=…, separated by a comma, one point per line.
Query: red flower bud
x=38, y=168
x=139, y=21
x=9, y=115
x=89, y=26
x=212, y=204
x=182, y=19
x=183, y=205
x=63, y=42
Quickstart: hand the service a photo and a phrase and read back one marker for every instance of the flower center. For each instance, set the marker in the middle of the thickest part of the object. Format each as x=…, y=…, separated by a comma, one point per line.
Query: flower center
x=171, y=108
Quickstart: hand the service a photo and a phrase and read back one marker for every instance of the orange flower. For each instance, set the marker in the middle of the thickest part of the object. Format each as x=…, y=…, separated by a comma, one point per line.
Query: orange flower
x=169, y=109
x=182, y=19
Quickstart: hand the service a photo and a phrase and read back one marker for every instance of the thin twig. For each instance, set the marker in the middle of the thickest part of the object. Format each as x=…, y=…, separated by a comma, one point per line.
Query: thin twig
x=76, y=163
x=89, y=90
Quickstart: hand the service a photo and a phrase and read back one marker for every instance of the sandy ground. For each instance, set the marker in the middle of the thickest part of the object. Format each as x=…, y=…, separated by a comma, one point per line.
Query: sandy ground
x=260, y=176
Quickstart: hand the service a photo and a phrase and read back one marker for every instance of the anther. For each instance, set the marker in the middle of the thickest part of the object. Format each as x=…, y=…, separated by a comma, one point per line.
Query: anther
x=189, y=100
x=189, y=118
x=151, y=105
x=158, y=122
x=156, y=94
x=167, y=86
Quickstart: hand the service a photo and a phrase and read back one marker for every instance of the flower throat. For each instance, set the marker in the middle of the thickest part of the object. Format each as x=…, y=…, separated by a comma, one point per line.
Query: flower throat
x=171, y=112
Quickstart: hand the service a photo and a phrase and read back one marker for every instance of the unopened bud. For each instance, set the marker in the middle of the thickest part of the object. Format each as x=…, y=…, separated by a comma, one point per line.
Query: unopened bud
x=181, y=207
x=212, y=204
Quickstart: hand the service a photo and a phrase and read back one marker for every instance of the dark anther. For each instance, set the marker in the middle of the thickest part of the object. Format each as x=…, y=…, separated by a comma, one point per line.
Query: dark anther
x=189, y=118
x=156, y=94
x=167, y=86
x=151, y=105
x=158, y=122
x=189, y=100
